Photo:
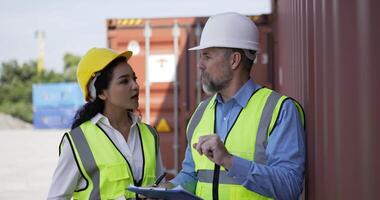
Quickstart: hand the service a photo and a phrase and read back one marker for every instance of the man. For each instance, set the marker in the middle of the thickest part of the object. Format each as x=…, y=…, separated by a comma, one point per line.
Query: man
x=247, y=141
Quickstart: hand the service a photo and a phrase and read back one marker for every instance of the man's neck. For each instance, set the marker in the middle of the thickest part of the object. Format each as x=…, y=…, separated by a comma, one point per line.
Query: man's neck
x=233, y=88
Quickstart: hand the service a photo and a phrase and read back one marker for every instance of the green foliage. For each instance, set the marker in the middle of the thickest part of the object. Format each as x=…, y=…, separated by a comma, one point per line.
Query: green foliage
x=16, y=84
x=21, y=110
x=71, y=62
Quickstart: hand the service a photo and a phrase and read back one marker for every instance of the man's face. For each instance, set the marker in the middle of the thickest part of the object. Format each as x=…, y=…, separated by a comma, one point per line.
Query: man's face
x=216, y=72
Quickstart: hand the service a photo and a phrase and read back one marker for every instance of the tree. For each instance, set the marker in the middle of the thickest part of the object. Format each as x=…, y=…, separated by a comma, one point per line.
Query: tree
x=16, y=87
x=71, y=62
x=16, y=84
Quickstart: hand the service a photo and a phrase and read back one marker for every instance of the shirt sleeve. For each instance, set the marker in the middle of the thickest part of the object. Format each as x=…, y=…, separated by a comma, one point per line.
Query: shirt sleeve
x=187, y=177
x=282, y=177
x=66, y=175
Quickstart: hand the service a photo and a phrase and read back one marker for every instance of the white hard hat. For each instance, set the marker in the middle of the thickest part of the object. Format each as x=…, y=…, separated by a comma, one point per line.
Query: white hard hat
x=232, y=30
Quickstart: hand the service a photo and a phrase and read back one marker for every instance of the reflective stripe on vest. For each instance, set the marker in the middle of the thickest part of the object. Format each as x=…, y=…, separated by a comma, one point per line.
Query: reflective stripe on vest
x=207, y=176
x=105, y=169
x=262, y=133
x=87, y=159
x=258, y=117
x=196, y=118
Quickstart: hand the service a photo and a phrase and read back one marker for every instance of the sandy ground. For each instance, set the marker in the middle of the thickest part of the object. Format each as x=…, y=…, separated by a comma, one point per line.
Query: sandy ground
x=27, y=161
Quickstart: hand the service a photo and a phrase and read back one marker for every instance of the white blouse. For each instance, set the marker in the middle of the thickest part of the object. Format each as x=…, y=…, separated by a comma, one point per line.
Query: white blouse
x=67, y=177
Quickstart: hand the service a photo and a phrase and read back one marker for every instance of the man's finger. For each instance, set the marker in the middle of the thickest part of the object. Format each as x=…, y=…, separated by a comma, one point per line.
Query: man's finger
x=208, y=148
x=197, y=148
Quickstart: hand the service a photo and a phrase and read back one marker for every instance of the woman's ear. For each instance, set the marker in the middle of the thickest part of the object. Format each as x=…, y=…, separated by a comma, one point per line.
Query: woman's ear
x=102, y=96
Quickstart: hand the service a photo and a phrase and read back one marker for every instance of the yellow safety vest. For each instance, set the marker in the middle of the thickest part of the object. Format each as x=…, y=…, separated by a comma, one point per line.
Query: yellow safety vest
x=107, y=172
x=246, y=139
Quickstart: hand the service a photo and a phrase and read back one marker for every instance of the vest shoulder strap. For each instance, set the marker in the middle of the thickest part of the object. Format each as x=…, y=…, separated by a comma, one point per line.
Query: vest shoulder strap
x=197, y=116
x=301, y=111
x=156, y=137
x=268, y=120
x=61, y=143
x=87, y=159
x=264, y=126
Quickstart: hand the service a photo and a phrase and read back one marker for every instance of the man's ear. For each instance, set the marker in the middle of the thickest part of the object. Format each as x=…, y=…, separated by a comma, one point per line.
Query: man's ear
x=235, y=60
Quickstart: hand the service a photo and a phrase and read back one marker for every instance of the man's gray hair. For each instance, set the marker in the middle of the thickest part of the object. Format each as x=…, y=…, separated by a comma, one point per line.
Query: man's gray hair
x=247, y=56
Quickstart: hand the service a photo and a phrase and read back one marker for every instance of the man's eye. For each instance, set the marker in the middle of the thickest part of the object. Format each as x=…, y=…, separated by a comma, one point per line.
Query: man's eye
x=205, y=56
x=124, y=81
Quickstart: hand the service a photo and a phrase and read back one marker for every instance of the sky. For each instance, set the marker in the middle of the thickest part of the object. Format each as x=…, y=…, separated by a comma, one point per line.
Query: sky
x=74, y=26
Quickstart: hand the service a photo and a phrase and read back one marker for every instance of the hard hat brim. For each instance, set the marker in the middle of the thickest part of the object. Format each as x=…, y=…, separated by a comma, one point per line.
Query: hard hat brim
x=126, y=54
x=197, y=48
x=200, y=47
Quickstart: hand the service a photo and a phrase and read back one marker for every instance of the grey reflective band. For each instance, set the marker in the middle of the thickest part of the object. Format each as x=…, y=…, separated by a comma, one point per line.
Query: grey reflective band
x=262, y=133
x=87, y=159
x=206, y=176
x=196, y=118
x=155, y=135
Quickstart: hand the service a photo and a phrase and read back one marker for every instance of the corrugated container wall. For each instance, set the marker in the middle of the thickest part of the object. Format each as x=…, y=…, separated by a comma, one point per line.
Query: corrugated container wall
x=325, y=56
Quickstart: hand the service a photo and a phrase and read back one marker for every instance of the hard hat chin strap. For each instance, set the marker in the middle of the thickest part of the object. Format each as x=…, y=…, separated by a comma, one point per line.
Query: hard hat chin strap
x=91, y=87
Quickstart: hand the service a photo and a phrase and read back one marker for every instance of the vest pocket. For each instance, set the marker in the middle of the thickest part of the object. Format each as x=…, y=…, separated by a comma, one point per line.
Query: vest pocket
x=204, y=190
x=239, y=192
x=117, y=179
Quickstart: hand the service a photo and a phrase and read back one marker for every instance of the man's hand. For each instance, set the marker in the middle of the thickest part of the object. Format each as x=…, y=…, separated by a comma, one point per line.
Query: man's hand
x=167, y=185
x=214, y=149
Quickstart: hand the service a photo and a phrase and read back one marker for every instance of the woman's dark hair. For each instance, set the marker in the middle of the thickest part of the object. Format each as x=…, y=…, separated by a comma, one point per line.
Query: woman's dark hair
x=91, y=108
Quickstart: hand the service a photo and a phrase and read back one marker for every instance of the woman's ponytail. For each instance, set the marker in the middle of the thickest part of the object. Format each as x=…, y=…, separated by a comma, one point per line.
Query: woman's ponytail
x=87, y=111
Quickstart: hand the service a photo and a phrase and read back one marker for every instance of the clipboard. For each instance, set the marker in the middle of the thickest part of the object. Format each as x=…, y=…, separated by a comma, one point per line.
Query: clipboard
x=163, y=193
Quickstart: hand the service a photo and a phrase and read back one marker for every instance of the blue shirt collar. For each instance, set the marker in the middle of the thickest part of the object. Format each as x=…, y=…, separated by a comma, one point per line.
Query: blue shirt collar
x=243, y=94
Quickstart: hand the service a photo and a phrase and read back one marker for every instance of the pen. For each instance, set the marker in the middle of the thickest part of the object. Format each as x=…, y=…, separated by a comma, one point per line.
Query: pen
x=159, y=179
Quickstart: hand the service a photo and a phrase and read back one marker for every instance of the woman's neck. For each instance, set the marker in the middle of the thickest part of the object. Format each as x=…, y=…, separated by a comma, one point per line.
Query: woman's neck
x=119, y=119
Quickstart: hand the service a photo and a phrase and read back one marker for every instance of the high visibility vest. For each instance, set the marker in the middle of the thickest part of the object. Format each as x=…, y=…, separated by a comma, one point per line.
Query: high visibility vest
x=107, y=172
x=247, y=139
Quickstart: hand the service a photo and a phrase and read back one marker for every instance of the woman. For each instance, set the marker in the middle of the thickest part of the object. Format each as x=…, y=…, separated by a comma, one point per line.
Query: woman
x=108, y=148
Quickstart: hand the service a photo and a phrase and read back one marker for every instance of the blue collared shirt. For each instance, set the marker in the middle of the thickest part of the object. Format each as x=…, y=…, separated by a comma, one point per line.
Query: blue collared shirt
x=282, y=177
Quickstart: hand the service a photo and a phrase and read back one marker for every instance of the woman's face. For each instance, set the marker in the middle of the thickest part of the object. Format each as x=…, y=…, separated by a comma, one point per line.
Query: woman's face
x=123, y=90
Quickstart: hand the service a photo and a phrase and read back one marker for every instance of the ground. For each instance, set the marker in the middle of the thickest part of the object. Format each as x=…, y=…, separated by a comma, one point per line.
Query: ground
x=27, y=161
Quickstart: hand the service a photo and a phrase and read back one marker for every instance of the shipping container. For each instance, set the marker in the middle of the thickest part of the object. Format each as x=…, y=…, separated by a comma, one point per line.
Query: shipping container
x=55, y=104
x=326, y=57
x=56, y=94
x=59, y=117
x=172, y=91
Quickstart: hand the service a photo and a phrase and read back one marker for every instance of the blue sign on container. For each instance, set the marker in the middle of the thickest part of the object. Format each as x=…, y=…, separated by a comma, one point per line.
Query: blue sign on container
x=57, y=94
x=53, y=117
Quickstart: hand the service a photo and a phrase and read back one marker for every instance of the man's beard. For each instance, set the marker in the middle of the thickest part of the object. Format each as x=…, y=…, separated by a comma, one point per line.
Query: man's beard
x=212, y=86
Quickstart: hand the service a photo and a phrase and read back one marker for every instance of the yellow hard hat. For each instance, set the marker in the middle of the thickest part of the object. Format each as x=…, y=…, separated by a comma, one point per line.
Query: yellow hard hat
x=93, y=61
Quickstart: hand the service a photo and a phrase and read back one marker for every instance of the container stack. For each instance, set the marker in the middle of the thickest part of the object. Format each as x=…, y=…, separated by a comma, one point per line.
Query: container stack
x=55, y=104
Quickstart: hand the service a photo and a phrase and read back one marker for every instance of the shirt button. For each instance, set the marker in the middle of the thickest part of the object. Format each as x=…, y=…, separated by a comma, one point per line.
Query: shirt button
x=224, y=119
